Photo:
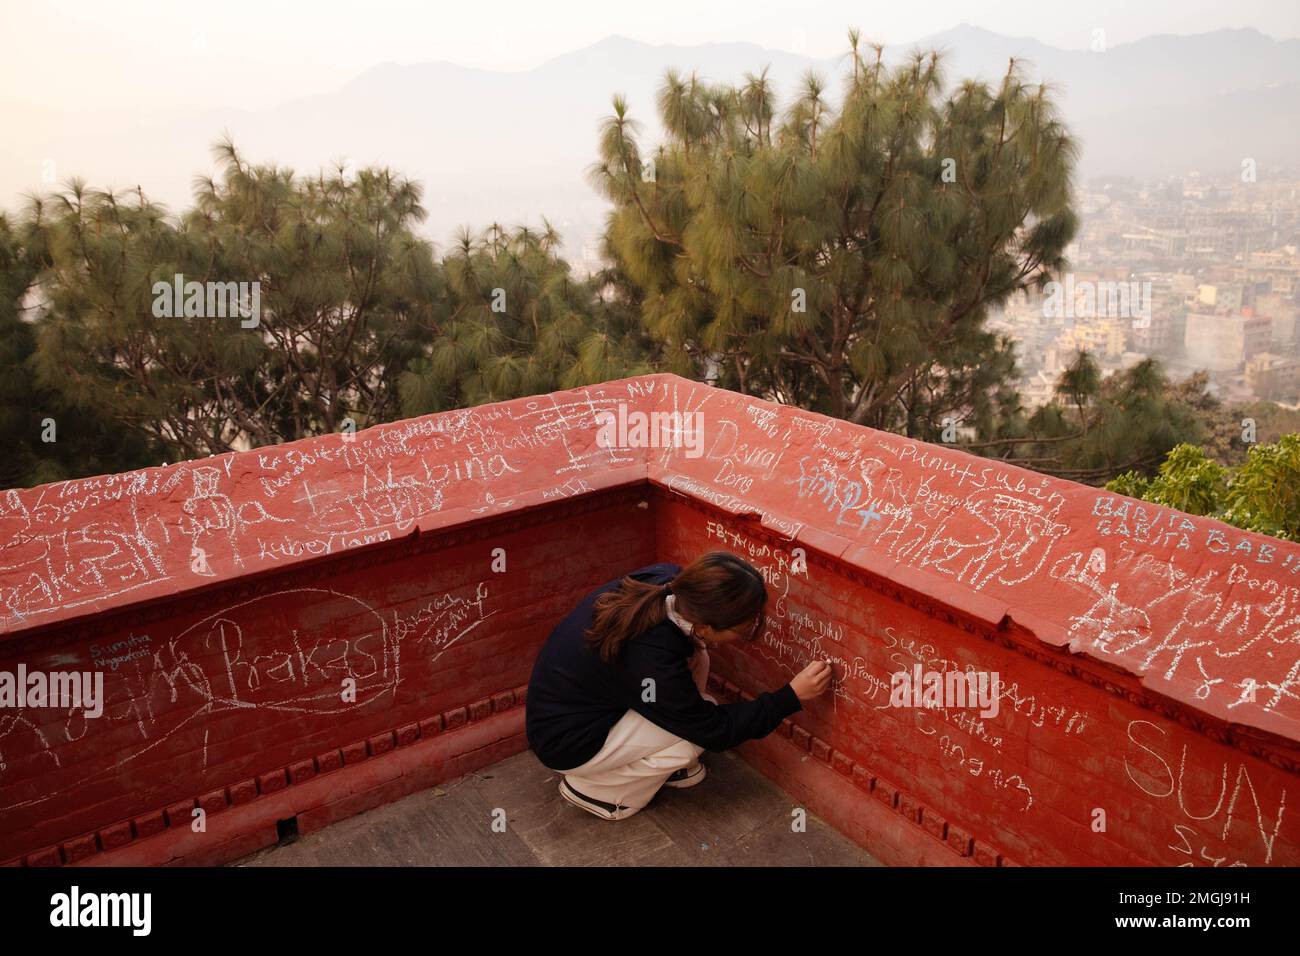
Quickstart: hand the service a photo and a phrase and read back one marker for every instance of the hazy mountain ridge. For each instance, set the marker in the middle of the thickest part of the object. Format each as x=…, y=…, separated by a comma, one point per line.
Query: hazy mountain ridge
x=512, y=146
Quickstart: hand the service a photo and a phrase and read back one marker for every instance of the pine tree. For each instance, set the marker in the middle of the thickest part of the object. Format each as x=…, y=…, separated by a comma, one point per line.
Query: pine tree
x=358, y=323
x=514, y=322
x=1098, y=427
x=347, y=297
x=842, y=259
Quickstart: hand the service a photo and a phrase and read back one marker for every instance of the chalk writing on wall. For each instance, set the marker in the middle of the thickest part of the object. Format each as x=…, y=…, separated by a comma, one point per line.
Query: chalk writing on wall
x=1235, y=801
x=95, y=542
x=242, y=658
x=1210, y=610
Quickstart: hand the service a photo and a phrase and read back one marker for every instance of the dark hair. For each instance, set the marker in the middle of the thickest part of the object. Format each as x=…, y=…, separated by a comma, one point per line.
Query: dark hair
x=719, y=589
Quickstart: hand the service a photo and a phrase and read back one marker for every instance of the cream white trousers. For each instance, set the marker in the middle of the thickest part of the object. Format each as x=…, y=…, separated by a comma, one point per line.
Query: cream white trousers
x=638, y=755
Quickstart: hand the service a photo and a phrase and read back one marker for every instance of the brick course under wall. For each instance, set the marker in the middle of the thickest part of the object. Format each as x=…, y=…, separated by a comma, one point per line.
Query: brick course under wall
x=243, y=692
x=1071, y=745
x=1148, y=662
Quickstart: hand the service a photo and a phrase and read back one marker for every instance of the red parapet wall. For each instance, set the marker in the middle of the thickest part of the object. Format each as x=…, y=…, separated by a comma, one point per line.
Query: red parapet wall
x=1147, y=662
x=272, y=621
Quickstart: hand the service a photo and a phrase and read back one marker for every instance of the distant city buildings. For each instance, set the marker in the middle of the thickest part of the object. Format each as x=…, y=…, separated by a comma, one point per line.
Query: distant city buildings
x=1274, y=378
x=1222, y=341
x=1218, y=266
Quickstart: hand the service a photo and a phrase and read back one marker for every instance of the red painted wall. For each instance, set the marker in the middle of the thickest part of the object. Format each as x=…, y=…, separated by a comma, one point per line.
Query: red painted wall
x=1147, y=661
x=1024, y=785
x=424, y=562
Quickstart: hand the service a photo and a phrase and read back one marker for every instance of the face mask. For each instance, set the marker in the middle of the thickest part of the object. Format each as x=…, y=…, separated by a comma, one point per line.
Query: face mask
x=670, y=605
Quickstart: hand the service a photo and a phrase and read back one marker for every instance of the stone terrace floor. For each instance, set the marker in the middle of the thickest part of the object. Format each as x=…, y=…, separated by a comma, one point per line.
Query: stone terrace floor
x=736, y=817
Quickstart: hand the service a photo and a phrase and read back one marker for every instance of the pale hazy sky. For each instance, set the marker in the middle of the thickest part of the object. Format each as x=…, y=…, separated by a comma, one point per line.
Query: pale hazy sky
x=159, y=55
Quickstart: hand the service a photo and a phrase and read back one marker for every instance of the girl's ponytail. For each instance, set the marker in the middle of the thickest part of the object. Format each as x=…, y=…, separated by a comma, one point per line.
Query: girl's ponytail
x=719, y=589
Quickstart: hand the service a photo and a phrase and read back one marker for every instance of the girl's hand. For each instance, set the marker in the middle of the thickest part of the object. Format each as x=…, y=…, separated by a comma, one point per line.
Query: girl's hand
x=812, y=681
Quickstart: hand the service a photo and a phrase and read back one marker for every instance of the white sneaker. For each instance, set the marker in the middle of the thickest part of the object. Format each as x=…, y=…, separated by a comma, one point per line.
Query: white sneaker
x=606, y=811
x=687, y=777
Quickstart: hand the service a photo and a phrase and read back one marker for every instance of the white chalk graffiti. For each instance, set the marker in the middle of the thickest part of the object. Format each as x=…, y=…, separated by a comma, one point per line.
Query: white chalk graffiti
x=1140, y=598
x=95, y=541
x=241, y=659
x=1259, y=821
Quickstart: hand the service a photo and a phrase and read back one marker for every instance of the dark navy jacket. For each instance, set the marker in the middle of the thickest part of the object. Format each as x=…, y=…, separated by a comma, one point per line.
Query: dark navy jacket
x=574, y=697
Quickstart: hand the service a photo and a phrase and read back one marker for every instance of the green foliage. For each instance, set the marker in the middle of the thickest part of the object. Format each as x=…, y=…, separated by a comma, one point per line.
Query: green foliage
x=1263, y=494
x=346, y=296
x=359, y=322
x=1098, y=428
x=897, y=219
x=841, y=258
x=1132, y=484
x=516, y=323
x=1187, y=480
x=1269, y=421
x=85, y=441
